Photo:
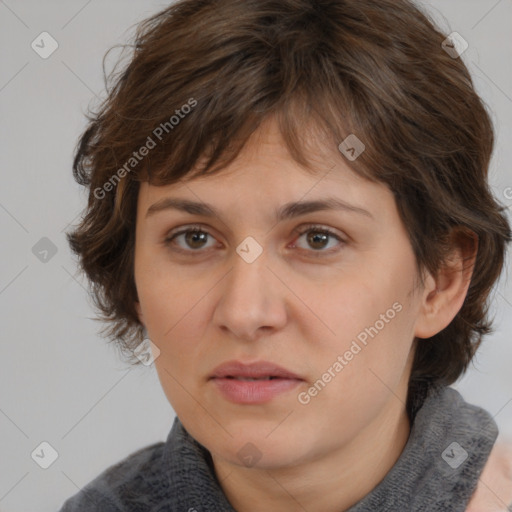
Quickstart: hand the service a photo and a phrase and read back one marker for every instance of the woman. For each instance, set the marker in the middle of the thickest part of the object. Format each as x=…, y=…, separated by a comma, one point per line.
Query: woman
x=290, y=200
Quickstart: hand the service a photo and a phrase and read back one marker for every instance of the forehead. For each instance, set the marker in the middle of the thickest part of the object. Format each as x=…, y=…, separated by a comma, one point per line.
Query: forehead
x=265, y=171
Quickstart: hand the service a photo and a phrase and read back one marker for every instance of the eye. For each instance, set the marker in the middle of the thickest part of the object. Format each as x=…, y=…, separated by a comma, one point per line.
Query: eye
x=318, y=239
x=192, y=239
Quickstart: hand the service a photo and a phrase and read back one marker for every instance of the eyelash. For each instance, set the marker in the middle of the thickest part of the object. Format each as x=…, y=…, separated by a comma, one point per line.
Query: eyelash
x=168, y=242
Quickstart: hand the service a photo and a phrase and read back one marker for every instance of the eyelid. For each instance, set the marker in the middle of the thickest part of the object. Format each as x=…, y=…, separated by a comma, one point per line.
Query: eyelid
x=171, y=235
x=304, y=228
x=186, y=227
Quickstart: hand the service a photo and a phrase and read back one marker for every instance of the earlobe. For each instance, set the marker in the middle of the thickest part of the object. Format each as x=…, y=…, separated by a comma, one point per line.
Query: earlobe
x=444, y=295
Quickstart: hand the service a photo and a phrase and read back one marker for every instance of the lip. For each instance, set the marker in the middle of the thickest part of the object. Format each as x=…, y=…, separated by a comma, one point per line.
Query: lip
x=255, y=370
x=257, y=391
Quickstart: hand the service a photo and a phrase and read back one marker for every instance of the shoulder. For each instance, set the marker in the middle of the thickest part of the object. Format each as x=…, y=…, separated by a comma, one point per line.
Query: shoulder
x=494, y=489
x=139, y=472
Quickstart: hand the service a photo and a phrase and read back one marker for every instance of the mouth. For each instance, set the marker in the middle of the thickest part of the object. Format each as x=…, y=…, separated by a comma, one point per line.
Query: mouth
x=254, y=383
x=251, y=379
x=261, y=370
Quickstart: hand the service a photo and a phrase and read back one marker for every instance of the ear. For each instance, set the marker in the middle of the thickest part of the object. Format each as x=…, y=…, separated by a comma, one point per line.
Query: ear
x=444, y=294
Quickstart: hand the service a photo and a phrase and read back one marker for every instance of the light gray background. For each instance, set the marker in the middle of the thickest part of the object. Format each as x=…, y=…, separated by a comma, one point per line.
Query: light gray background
x=59, y=381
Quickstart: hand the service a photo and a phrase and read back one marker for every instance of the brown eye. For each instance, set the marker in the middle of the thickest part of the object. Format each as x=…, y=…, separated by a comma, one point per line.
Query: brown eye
x=192, y=239
x=317, y=240
x=196, y=239
x=320, y=240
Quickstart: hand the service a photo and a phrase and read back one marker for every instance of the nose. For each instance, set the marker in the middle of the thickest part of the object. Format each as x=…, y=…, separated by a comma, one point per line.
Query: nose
x=252, y=300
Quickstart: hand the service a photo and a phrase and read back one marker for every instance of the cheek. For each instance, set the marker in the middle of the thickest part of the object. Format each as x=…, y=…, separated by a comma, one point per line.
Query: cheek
x=360, y=370
x=175, y=319
x=369, y=335
x=170, y=304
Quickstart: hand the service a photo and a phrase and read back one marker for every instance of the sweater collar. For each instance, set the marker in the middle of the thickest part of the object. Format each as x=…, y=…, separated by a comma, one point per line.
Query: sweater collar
x=192, y=480
x=448, y=446
x=438, y=470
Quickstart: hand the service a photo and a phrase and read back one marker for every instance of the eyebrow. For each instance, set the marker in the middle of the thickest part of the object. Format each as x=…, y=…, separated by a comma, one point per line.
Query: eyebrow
x=287, y=211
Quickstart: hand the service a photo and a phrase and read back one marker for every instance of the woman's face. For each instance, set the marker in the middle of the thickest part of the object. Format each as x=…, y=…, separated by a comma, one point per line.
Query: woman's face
x=264, y=282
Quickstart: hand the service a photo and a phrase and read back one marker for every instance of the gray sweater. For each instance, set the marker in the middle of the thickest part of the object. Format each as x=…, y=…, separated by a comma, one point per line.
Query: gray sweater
x=438, y=470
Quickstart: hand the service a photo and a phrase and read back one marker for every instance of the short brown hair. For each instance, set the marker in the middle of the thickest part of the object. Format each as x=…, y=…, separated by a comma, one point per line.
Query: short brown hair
x=373, y=69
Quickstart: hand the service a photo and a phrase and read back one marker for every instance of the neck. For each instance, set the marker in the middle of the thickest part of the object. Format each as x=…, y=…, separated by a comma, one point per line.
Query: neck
x=332, y=483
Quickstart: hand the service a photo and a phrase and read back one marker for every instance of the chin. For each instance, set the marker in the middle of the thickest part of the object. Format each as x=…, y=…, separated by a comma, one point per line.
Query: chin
x=259, y=452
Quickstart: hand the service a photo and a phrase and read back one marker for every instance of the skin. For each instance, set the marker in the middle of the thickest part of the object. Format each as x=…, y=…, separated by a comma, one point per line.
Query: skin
x=494, y=490
x=300, y=304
